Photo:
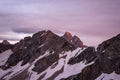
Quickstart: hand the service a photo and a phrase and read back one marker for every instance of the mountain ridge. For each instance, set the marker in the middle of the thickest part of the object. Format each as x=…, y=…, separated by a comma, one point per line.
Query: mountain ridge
x=47, y=56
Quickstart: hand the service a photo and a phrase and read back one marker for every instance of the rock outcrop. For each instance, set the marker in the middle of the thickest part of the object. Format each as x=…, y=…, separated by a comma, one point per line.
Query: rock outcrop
x=77, y=42
x=5, y=42
x=74, y=40
x=67, y=36
x=5, y=45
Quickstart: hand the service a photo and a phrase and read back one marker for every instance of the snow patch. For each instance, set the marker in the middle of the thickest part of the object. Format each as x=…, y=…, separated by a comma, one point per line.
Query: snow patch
x=4, y=56
x=70, y=70
x=50, y=71
x=41, y=46
x=73, y=53
x=103, y=51
x=112, y=76
x=44, y=33
x=80, y=50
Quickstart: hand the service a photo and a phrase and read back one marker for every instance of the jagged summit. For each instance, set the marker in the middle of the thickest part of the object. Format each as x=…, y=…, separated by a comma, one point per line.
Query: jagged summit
x=5, y=45
x=75, y=40
x=67, y=36
x=5, y=42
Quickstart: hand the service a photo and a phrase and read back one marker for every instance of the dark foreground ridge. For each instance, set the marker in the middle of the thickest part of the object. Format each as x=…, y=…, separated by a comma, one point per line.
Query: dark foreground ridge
x=47, y=56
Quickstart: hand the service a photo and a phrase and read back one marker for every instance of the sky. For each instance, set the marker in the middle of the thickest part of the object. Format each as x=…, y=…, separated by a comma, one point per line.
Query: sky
x=92, y=20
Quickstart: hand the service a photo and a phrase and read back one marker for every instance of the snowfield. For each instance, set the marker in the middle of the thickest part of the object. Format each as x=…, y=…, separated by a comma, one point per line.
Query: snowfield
x=4, y=56
x=70, y=70
x=112, y=76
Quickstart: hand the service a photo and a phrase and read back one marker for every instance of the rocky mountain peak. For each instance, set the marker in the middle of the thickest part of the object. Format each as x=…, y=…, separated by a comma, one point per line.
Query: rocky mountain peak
x=74, y=40
x=5, y=45
x=67, y=36
x=5, y=42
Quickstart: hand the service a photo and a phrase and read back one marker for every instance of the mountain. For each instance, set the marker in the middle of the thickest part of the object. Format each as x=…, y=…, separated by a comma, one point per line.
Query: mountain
x=47, y=56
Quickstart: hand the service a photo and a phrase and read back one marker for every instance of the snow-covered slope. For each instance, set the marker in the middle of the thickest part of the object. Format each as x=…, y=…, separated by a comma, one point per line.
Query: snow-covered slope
x=111, y=76
x=4, y=56
x=7, y=74
x=68, y=70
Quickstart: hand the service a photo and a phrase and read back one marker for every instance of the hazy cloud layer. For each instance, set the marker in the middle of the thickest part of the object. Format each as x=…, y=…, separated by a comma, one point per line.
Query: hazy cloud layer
x=92, y=20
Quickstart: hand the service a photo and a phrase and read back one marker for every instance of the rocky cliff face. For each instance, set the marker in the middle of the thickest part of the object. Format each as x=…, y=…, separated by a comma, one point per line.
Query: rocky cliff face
x=47, y=56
